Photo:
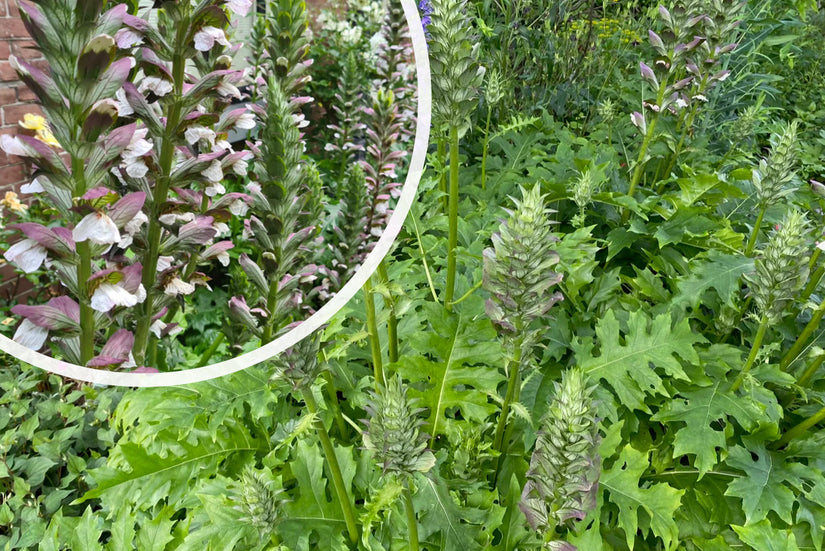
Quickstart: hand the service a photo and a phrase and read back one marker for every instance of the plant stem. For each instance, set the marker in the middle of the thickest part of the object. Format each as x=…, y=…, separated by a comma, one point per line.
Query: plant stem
x=755, y=233
x=441, y=152
x=84, y=272
x=332, y=463
x=800, y=428
x=485, y=148
x=452, y=239
x=335, y=406
x=513, y=384
x=803, y=337
x=392, y=321
x=806, y=377
x=372, y=329
x=159, y=195
x=412, y=522
x=757, y=342
x=211, y=350
x=813, y=283
x=87, y=315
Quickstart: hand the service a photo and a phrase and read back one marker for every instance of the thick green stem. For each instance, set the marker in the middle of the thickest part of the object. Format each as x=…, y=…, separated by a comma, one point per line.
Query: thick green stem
x=392, y=321
x=372, y=329
x=159, y=196
x=485, y=148
x=806, y=377
x=84, y=272
x=755, y=233
x=412, y=522
x=211, y=350
x=335, y=406
x=801, y=428
x=335, y=469
x=513, y=383
x=87, y=315
x=441, y=152
x=813, y=283
x=803, y=337
x=452, y=238
x=757, y=342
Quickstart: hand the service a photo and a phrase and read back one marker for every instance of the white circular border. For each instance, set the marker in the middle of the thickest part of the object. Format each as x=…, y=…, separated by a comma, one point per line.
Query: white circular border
x=319, y=318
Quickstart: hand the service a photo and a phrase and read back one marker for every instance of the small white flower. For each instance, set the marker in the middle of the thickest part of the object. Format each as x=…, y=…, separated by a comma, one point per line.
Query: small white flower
x=215, y=189
x=30, y=335
x=27, y=255
x=109, y=295
x=223, y=258
x=196, y=133
x=133, y=154
x=13, y=146
x=157, y=327
x=222, y=228
x=221, y=145
x=700, y=97
x=98, y=228
x=821, y=245
x=240, y=167
x=160, y=87
x=134, y=225
x=177, y=286
x=34, y=187
x=165, y=262
x=227, y=89
x=238, y=207
x=213, y=172
x=246, y=121
x=206, y=38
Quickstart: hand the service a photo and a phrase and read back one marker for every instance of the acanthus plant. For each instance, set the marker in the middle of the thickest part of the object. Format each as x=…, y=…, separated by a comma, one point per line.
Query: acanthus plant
x=689, y=53
x=281, y=193
x=141, y=203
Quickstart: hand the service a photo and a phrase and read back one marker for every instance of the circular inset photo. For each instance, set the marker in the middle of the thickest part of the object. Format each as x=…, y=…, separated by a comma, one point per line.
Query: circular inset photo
x=210, y=181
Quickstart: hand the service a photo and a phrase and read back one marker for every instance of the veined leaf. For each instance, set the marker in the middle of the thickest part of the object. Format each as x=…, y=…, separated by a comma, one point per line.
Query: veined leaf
x=440, y=518
x=716, y=270
x=764, y=537
x=763, y=488
x=700, y=410
x=659, y=501
x=629, y=362
x=459, y=375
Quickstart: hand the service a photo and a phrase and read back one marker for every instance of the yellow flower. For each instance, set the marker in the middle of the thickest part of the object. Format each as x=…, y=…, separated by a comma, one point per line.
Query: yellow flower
x=33, y=122
x=41, y=127
x=8, y=321
x=12, y=202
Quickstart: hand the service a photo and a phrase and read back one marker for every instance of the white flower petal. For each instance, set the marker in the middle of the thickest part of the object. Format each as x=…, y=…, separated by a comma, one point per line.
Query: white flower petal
x=98, y=228
x=27, y=255
x=34, y=187
x=213, y=172
x=30, y=335
x=109, y=295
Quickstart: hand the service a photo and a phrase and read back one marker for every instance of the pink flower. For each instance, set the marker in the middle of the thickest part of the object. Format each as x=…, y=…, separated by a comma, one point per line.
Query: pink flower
x=98, y=228
x=27, y=255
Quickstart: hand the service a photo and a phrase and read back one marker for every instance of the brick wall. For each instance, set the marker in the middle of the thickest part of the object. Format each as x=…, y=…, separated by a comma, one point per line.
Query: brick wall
x=15, y=98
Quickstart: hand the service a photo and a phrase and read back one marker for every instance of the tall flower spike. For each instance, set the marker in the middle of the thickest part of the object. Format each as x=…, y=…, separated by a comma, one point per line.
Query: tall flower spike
x=518, y=270
x=456, y=74
x=781, y=267
x=564, y=471
x=774, y=174
x=393, y=436
x=256, y=499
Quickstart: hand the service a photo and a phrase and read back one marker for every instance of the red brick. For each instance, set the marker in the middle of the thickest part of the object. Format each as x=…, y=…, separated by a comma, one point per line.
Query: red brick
x=25, y=49
x=7, y=96
x=14, y=113
x=7, y=74
x=14, y=10
x=24, y=94
x=13, y=174
x=3, y=7
x=13, y=28
x=5, y=50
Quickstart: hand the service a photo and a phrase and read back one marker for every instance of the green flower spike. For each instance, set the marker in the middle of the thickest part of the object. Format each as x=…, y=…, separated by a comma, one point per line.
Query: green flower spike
x=564, y=471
